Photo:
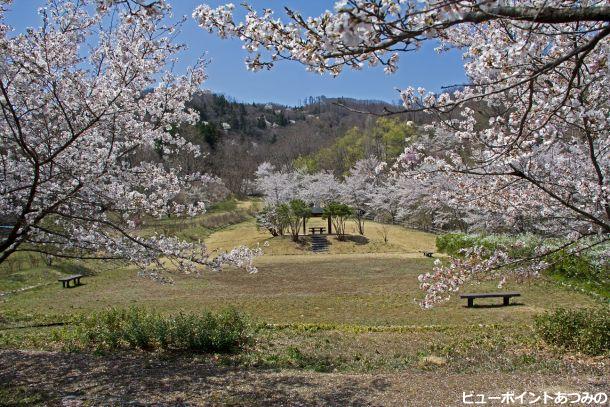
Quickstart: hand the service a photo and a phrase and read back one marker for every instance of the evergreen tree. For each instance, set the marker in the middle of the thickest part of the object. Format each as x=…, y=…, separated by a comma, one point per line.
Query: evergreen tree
x=261, y=122
x=210, y=133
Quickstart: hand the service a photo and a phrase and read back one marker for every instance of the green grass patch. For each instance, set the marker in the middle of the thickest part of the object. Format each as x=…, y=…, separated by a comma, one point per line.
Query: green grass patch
x=35, y=275
x=27, y=278
x=227, y=205
x=21, y=396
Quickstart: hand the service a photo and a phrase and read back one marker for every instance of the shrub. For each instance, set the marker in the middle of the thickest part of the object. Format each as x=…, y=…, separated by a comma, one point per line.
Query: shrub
x=137, y=328
x=338, y=213
x=587, y=270
x=515, y=245
x=581, y=267
x=292, y=214
x=582, y=330
x=452, y=243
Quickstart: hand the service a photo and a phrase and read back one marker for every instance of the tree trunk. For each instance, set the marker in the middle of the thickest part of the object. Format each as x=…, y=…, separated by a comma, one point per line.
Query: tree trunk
x=361, y=225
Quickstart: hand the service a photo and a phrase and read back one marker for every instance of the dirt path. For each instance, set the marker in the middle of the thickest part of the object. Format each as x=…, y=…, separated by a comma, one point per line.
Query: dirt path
x=71, y=379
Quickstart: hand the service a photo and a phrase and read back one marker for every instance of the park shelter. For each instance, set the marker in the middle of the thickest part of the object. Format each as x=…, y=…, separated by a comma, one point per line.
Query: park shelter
x=6, y=225
x=317, y=212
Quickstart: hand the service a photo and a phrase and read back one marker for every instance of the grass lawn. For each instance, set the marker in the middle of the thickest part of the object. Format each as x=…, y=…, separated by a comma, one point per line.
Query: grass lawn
x=342, y=327
x=325, y=289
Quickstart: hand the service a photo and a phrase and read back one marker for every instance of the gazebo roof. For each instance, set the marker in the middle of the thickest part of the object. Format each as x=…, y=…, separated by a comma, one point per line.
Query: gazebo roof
x=316, y=210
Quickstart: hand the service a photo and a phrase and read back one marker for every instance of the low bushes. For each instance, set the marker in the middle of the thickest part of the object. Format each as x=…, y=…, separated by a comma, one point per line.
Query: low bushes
x=582, y=267
x=582, y=330
x=588, y=270
x=137, y=328
x=516, y=246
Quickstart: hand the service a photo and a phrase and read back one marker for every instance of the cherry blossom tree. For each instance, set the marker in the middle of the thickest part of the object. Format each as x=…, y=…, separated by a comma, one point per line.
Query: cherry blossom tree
x=532, y=120
x=363, y=178
x=278, y=186
x=80, y=95
x=320, y=188
x=387, y=199
x=428, y=199
x=282, y=188
x=270, y=218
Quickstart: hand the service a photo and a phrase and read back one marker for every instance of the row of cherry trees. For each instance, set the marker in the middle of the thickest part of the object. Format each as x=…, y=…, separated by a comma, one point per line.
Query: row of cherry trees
x=391, y=193
x=370, y=189
x=528, y=135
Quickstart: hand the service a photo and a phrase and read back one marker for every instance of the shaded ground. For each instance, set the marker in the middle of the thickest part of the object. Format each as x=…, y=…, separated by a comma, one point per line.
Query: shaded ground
x=52, y=378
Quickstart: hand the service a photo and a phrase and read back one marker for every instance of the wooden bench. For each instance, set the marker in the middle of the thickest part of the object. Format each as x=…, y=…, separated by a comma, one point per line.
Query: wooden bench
x=65, y=281
x=506, y=296
x=313, y=230
x=428, y=254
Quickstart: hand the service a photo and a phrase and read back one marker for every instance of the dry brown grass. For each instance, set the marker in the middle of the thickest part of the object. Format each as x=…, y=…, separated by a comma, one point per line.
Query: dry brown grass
x=400, y=240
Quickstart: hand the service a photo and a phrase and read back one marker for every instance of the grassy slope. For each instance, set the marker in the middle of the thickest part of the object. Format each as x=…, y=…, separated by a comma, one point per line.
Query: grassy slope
x=400, y=240
x=320, y=308
x=344, y=289
x=372, y=284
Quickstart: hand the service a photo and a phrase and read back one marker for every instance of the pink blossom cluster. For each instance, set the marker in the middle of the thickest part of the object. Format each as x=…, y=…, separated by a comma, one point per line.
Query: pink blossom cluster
x=83, y=98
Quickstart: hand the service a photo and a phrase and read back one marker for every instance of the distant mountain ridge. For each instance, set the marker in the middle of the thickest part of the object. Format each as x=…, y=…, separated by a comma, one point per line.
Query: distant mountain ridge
x=237, y=137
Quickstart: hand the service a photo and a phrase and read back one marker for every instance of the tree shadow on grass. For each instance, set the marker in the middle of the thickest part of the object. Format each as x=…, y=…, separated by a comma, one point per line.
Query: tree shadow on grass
x=142, y=379
x=74, y=379
x=358, y=239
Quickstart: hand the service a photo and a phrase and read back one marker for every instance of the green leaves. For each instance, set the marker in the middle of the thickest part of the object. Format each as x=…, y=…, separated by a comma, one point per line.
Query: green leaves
x=138, y=328
x=337, y=210
x=292, y=214
x=386, y=140
x=582, y=330
x=338, y=213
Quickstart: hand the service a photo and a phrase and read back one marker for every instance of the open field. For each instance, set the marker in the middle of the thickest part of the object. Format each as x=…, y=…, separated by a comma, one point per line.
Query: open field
x=333, y=289
x=336, y=328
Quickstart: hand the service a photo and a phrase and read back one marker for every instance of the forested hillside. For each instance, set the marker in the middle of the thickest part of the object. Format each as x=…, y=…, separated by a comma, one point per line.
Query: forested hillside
x=313, y=136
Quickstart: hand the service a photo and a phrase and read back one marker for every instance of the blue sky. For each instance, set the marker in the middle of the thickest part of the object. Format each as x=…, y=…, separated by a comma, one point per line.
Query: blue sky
x=288, y=82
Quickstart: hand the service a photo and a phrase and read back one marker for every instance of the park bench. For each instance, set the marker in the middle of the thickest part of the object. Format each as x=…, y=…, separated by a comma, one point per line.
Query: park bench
x=506, y=296
x=428, y=254
x=65, y=281
x=320, y=229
